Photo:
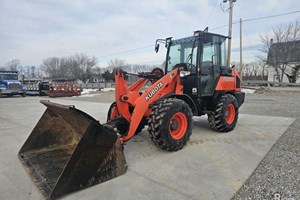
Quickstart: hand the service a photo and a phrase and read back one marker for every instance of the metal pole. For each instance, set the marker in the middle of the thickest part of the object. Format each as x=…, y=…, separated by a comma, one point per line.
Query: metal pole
x=229, y=32
x=241, y=50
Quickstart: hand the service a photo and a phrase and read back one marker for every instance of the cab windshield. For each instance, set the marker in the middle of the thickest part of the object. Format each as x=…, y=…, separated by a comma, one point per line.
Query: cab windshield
x=181, y=51
x=8, y=77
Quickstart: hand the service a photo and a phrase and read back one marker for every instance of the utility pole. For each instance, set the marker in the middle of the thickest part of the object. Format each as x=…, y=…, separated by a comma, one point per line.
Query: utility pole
x=229, y=29
x=241, y=51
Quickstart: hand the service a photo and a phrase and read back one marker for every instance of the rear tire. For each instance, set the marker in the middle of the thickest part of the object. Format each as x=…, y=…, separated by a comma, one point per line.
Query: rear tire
x=170, y=124
x=225, y=116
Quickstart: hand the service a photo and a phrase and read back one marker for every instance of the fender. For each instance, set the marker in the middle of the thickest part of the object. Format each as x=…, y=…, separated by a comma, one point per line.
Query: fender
x=188, y=100
x=229, y=83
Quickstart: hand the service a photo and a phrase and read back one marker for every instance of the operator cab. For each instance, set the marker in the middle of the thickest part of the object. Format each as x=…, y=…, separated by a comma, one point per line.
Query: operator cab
x=204, y=56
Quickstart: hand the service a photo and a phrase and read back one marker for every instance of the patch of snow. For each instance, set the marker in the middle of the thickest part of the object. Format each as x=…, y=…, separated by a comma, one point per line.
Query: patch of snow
x=248, y=91
x=88, y=95
x=88, y=91
x=107, y=89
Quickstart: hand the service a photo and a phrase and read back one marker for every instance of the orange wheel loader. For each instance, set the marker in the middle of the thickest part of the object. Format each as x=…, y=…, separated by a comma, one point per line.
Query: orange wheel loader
x=69, y=150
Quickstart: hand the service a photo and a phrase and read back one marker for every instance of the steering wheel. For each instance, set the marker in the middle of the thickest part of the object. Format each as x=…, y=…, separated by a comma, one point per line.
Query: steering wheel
x=191, y=67
x=158, y=72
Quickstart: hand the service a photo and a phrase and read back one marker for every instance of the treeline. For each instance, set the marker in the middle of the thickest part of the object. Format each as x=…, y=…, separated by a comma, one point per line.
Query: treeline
x=78, y=66
x=30, y=71
x=108, y=71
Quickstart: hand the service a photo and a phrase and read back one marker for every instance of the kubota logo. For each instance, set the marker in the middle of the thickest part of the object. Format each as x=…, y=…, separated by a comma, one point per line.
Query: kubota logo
x=153, y=91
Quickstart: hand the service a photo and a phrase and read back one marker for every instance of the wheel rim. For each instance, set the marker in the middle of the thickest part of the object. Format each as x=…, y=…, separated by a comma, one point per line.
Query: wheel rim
x=178, y=125
x=230, y=114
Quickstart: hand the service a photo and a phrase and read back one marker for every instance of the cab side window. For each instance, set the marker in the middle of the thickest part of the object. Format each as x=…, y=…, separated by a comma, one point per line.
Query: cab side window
x=208, y=53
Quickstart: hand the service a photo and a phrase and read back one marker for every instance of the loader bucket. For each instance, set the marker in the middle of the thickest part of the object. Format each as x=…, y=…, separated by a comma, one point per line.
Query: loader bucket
x=68, y=150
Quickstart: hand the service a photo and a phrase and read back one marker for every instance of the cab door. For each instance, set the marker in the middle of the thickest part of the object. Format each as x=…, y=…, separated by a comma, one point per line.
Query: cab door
x=190, y=83
x=211, y=59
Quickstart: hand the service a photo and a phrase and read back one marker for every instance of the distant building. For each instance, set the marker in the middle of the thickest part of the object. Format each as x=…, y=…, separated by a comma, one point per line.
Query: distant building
x=96, y=78
x=283, y=54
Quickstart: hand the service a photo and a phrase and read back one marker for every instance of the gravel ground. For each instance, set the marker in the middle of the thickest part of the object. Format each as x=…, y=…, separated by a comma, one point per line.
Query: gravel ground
x=274, y=103
x=278, y=175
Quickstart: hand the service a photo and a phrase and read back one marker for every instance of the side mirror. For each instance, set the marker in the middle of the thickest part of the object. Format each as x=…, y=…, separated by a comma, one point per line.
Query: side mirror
x=156, y=47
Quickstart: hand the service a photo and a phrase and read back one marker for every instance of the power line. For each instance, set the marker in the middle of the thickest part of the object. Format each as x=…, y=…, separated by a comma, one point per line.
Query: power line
x=220, y=27
x=258, y=18
x=247, y=38
x=212, y=11
x=124, y=52
x=270, y=16
x=245, y=20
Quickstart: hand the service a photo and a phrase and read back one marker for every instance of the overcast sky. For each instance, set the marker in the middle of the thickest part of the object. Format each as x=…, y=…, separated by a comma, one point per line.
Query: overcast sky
x=32, y=30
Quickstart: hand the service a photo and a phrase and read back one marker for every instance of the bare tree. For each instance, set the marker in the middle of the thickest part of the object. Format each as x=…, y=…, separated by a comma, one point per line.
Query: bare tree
x=78, y=66
x=282, y=47
x=294, y=74
x=40, y=72
x=97, y=72
x=117, y=63
x=255, y=70
x=53, y=67
x=141, y=68
x=13, y=64
x=81, y=66
x=30, y=71
x=108, y=75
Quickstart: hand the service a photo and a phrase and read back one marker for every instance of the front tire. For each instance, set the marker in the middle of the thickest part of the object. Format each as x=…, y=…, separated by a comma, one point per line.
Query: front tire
x=225, y=116
x=113, y=113
x=170, y=124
